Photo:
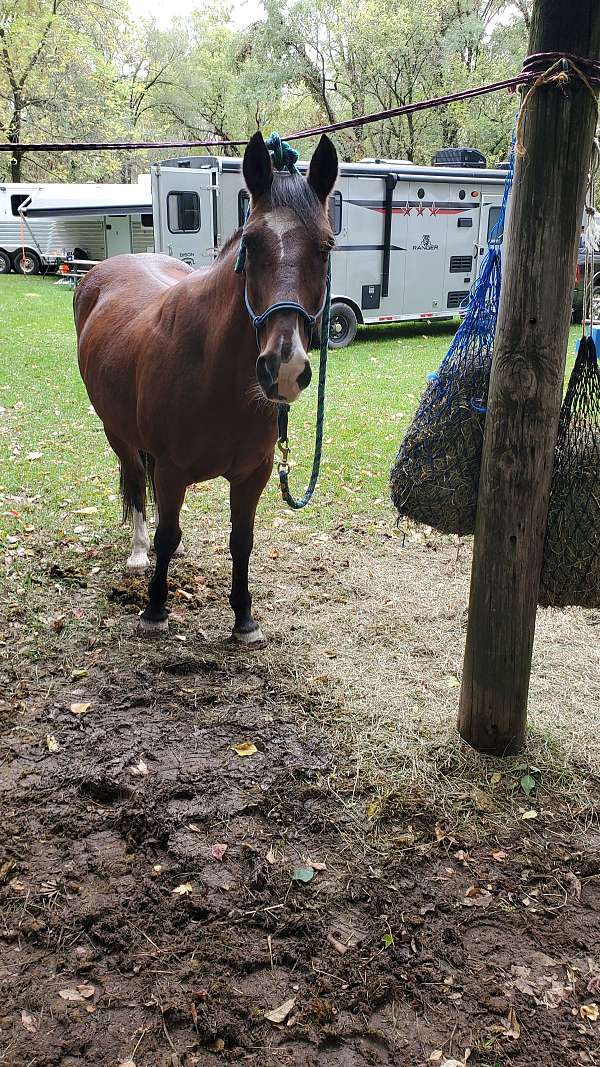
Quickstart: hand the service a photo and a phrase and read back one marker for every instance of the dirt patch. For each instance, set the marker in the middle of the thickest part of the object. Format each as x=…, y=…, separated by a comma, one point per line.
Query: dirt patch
x=394, y=928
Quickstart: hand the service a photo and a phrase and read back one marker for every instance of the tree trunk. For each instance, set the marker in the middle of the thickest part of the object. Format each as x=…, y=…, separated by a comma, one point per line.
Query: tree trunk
x=526, y=386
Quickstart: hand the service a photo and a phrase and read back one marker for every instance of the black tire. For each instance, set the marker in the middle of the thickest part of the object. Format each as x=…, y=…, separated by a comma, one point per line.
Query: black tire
x=27, y=263
x=5, y=263
x=343, y=325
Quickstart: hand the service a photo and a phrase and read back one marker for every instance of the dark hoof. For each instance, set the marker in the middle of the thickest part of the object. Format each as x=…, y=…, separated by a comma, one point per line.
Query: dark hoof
x=149, y=625
x=250, y=639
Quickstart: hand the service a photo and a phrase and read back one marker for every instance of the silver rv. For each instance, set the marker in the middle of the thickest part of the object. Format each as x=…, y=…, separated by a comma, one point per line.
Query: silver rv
x=41, y=225
x=408, y=238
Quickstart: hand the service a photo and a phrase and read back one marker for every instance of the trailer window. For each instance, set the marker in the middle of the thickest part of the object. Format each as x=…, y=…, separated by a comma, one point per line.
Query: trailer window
x=335, y=212
x=243, y=206
x=16, y=200
x=494, y=215
x=147, y=221
x=183, y=212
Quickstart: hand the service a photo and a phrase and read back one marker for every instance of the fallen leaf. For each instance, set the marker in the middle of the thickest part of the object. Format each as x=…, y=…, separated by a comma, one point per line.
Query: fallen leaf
x=80, y=709
x=5, y=868
x=77, y=993
x=193, y=826
x=496, y=778
x=590, y=1011
x=436, y=1055
x=184, y=889
x=499, y=856
x=78, y=672
x=527, y=784
x=453, y=1063
x=476, y=897
x=126, y=1063
x=532, y=814
x=90, y=510
x=34, y=455
x=139, y=769
x=270, y=856
x=303, y=874
x=218, y=851
x=245, y=749
x=280, y=1014
x=51, y=743
x=513, y=1026
x=29, y=1022
x=452, y=682
x=317, y=866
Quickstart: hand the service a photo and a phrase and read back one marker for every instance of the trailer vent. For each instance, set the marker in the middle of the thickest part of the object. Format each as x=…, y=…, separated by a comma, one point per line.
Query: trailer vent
x=456, y=299
x=461, y=264
x=459, y=157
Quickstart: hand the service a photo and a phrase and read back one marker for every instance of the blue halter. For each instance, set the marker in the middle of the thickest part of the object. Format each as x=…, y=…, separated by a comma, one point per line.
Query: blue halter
x=284, y=305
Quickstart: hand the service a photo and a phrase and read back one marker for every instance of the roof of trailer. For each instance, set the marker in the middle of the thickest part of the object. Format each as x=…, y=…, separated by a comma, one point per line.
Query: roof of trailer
x=400, y=168
x=90, y=200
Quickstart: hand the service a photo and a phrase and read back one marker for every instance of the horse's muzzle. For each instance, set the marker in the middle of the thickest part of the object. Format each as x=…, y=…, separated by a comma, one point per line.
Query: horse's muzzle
x=283, y=380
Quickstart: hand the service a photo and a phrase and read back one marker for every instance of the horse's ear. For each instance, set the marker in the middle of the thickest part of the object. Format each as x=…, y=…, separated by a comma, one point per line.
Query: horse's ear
x=258, y=168
x=323, y=169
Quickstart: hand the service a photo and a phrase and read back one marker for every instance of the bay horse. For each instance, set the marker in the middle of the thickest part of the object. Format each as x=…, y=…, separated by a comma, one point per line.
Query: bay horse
x=169, y=359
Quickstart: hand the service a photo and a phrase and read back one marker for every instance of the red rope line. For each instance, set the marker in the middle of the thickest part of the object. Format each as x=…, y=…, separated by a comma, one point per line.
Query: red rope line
x=533, y=67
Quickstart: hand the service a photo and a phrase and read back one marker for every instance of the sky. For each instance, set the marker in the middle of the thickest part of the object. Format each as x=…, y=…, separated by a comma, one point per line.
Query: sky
x=244, y=11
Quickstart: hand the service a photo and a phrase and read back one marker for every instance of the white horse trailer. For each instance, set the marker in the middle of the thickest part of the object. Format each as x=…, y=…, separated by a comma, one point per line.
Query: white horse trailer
x=409, y=239
x=41, y=225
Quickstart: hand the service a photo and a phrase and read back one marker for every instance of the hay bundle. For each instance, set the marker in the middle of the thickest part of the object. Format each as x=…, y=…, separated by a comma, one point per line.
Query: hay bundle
x=571, y=565
x=435, y=478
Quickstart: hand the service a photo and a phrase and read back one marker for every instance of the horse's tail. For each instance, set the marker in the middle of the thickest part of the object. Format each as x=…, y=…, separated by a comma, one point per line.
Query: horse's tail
x=134, y=482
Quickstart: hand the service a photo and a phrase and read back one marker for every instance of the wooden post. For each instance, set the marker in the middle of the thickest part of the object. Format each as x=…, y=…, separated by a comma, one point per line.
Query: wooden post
x=526, y=385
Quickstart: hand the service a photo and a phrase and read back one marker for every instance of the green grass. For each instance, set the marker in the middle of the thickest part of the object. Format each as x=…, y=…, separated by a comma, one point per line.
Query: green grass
x=55, y=460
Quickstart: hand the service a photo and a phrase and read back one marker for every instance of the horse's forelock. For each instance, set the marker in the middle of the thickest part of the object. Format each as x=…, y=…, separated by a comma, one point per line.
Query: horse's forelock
x=293, y=193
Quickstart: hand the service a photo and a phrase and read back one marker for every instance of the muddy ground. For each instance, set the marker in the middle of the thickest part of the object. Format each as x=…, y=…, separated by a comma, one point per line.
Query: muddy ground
x=387, y=927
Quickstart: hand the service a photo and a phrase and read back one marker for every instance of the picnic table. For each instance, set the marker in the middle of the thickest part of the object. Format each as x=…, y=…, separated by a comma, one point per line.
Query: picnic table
x=76, y=270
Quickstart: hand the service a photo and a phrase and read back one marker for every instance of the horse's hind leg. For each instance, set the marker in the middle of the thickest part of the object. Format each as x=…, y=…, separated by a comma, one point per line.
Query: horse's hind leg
x=244, y=497
x=133, y=491
x=170, y=493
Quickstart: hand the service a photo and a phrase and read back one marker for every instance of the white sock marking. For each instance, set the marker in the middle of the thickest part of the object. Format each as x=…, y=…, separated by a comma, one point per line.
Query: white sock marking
x=140, y=543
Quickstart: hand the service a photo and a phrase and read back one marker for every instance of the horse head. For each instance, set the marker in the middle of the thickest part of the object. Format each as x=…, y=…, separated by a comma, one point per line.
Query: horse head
x=288, y=240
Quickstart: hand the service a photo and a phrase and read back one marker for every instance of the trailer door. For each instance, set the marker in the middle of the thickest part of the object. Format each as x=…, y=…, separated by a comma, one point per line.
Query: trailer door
x=488, y=231
x=184, y=206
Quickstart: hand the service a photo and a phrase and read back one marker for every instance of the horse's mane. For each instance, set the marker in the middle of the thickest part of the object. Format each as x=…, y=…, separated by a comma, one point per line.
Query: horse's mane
x=293, y=193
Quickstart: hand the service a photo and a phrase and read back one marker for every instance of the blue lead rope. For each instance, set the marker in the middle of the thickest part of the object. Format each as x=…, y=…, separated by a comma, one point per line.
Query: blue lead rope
x=283, y=468
x=285, y=158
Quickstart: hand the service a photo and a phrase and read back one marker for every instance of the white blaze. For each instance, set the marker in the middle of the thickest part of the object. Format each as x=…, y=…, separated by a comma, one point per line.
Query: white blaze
x=290, y=371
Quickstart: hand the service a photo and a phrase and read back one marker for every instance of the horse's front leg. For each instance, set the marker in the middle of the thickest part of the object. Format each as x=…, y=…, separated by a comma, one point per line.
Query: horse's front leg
x=244, y=497
x=170, y=493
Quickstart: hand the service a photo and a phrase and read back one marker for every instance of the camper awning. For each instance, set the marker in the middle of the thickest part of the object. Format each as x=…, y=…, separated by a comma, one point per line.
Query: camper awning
x=89, y=200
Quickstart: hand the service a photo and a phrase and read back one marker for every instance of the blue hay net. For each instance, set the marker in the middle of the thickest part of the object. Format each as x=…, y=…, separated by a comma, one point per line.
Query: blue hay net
x=435, y=478
x=474, y=339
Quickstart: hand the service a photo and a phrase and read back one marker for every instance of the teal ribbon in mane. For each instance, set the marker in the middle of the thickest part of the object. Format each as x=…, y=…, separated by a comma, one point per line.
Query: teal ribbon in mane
x=284, y=156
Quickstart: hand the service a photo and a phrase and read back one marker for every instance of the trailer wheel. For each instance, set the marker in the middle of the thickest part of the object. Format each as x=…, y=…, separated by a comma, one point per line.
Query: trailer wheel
x=343, y=325
x=5, y=263
x=27, y=262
